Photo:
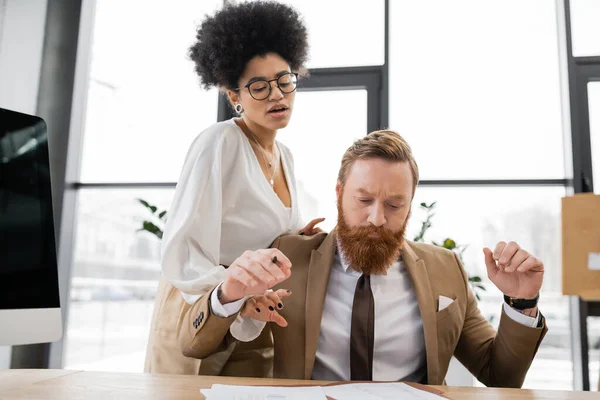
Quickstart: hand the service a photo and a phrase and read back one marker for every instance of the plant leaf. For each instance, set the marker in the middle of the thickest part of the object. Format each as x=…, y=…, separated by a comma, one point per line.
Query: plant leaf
x=449, y=244
x=152, y=228
x=144, y=203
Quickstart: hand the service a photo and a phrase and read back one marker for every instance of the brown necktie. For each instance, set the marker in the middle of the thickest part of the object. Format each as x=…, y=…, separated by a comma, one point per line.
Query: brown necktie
x=362, y=330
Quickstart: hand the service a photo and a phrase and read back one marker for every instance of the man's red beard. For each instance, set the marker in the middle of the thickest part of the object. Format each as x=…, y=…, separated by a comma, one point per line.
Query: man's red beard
x=369, y=255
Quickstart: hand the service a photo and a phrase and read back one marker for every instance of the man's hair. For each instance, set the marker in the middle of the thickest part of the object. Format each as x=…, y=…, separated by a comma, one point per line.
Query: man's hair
x=386, y=145
x=237, y=33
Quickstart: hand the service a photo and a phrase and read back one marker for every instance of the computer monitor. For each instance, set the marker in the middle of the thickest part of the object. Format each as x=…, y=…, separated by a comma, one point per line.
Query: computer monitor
x=29, y=297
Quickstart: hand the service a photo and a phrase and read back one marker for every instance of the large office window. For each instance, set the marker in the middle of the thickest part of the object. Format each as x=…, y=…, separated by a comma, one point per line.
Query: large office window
x=114, y=280
x=144, y=107
x=144, y=103
x=343, y=34
x=585, y=29
x=475, y=88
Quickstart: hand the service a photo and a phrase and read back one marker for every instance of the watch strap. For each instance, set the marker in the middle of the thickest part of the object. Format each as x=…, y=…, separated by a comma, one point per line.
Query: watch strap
x=522, y=304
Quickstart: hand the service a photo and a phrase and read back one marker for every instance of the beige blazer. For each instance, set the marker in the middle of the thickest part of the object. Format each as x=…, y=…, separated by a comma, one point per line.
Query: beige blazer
x=496, y=359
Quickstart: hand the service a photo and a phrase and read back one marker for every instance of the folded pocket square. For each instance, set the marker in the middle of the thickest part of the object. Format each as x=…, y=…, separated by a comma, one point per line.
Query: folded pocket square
x=444, y=302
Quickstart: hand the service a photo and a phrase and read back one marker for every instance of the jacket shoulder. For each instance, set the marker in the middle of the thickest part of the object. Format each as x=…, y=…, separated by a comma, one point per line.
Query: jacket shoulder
x=299, y=248
x=299, y=242
x=435, y=257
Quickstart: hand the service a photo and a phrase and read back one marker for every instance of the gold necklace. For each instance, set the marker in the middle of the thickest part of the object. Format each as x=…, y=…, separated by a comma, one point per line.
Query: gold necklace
x=264, y=153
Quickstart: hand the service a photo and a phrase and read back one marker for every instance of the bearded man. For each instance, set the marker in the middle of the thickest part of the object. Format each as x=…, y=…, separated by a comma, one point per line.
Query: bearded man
x=362, y=303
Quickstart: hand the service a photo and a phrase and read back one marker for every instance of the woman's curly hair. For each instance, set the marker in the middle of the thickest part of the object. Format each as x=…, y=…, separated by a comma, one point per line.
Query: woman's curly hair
x=226, y=41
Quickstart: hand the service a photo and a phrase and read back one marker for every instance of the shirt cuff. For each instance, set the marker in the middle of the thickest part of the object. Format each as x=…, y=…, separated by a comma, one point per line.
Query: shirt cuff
x=246, y=329
x=225, y=310
x=243, y=329
x=523, y=319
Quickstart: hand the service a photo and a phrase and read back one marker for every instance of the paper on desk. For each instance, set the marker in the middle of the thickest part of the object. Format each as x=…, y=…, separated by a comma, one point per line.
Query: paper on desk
x=378, y=391
x=231, y=392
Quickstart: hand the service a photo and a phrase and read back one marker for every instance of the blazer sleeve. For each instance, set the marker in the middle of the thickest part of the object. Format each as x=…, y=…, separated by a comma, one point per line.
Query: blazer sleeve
x=191, y=239
x=499, y=359
x=202, y=333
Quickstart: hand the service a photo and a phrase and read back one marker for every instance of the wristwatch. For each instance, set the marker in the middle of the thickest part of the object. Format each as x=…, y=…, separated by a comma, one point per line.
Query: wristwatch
x=522, y=304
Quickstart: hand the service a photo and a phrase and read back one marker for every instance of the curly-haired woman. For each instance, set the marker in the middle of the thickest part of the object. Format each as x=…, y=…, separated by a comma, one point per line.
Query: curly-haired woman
x=237, y=189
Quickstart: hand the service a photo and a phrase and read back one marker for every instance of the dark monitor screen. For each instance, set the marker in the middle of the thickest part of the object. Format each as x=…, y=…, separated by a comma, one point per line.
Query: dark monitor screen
x=28, y=265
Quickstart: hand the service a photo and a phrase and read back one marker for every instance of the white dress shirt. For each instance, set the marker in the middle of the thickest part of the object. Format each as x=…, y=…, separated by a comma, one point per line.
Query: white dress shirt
x=399, y=343
x=223, y=206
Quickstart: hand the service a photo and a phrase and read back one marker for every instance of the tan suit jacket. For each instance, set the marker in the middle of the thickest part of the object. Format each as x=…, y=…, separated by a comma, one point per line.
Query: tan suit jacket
x=496, y=359
x=163, y=355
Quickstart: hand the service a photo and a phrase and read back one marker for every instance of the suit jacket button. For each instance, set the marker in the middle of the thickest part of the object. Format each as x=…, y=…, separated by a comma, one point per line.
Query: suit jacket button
x=201, y=317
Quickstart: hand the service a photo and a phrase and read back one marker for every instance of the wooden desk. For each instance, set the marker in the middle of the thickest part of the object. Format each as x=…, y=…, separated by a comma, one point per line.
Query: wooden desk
x=71, y=385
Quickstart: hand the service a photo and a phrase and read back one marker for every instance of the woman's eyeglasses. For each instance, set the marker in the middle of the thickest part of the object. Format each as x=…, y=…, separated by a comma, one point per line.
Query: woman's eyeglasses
x=261, y=89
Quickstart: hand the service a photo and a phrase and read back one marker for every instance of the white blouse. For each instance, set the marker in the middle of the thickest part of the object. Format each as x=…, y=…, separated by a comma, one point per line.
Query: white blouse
x=223, y=205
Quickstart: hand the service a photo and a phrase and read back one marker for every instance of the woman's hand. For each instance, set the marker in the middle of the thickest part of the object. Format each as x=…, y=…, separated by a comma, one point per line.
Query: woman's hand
x=264, y=307
x=310, y=228
x=253, y=273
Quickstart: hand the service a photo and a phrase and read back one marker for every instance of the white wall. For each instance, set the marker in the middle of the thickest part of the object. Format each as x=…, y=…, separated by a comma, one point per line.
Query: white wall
x=22, y=25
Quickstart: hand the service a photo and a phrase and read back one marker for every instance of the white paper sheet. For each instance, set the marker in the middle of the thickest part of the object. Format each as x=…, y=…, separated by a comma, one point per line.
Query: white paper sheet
x=378, y=391
x=231, y=392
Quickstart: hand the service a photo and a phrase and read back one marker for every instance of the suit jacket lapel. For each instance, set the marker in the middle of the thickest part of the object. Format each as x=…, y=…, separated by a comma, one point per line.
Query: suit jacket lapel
x=420, y=281
x=321, y=261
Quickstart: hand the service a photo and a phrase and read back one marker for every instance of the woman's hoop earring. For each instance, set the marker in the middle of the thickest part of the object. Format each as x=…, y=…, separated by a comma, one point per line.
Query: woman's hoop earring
x=238, y=108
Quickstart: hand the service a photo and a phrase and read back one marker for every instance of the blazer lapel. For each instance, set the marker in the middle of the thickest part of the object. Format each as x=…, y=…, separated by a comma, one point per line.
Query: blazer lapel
x=420, y=281
x=321, y=261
